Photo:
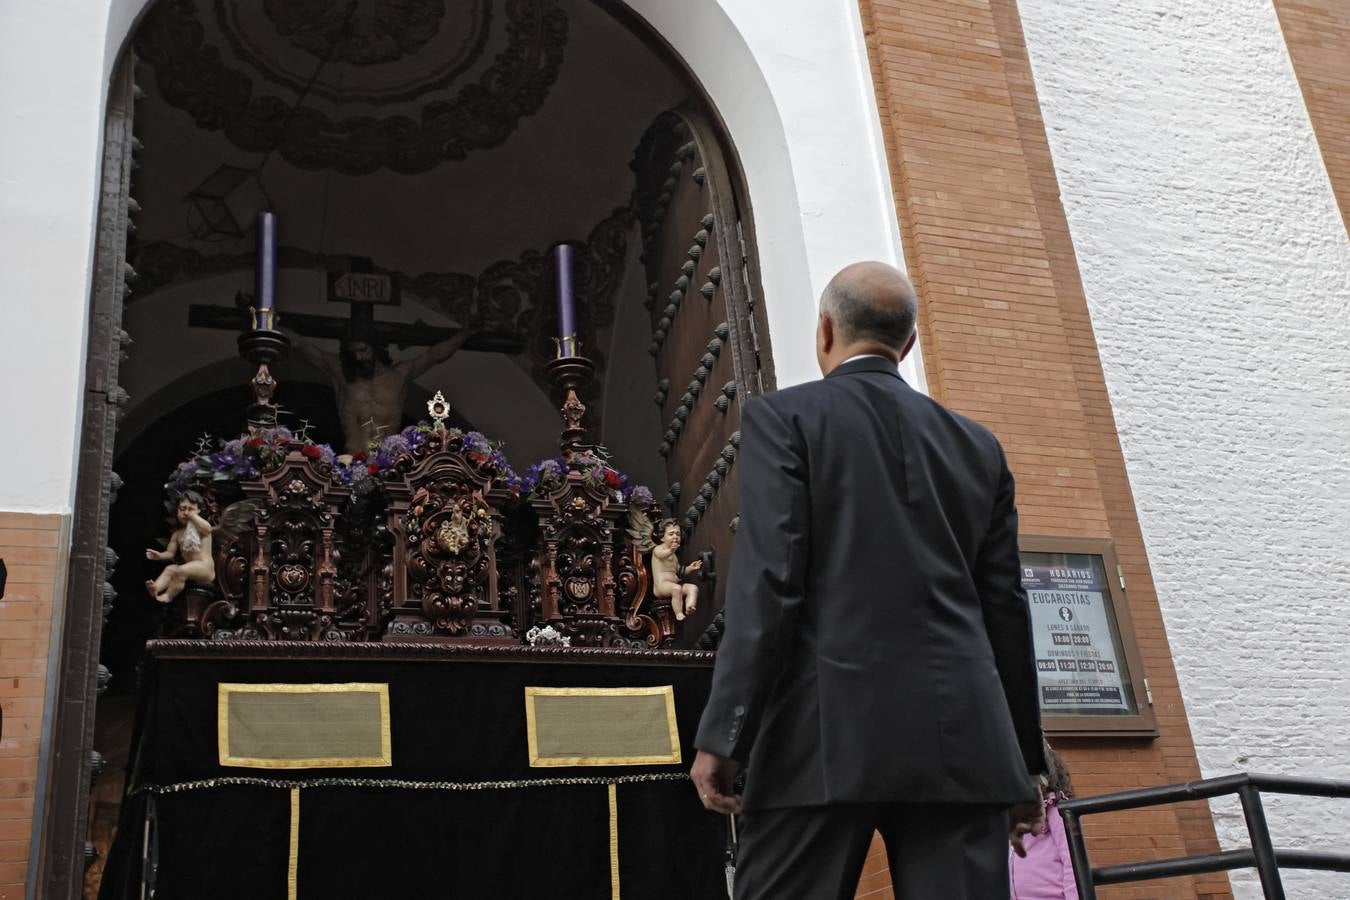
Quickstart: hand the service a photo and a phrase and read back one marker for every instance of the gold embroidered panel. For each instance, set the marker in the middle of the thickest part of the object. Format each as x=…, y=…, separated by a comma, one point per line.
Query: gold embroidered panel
x=302, y=726
x=602, y=726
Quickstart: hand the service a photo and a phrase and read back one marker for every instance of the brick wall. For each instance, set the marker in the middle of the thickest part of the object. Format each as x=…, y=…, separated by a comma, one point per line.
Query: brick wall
x=1008, y=340
x=1216, y=264
x=32, y=547
x=1317, y=33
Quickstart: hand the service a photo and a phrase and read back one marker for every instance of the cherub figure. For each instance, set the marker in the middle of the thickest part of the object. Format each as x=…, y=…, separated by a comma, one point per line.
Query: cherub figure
x=193, y=541
x=668, y=574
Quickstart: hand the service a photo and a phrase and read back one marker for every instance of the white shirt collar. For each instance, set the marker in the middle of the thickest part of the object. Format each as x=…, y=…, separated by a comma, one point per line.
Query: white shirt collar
x=867, y=356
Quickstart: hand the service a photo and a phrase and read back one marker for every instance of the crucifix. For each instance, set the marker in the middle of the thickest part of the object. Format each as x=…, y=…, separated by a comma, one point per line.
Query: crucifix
x=370, y=387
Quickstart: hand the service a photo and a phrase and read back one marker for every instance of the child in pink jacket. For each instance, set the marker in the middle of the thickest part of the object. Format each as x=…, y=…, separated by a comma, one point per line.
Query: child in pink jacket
x=1046, y=873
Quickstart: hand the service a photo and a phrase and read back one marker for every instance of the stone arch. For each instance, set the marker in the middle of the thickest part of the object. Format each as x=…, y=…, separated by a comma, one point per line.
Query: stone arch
x=788, y=138
x=797, y=143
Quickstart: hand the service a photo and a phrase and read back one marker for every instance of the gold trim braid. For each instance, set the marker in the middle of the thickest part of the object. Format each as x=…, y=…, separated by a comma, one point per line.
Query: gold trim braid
x=293, y=863
x=399, y=784
x=613, y=841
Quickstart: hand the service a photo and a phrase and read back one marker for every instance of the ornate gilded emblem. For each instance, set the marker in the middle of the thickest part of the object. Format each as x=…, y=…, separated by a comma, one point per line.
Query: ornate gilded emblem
x=293, y=577
x=453, y=536
x=439, y=409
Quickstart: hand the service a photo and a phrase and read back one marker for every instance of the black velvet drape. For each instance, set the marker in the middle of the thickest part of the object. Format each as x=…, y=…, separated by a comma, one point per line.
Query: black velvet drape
x=416, y=833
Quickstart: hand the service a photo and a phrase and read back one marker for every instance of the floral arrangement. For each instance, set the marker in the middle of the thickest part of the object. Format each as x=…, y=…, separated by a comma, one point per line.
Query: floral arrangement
x=547, y=636
x=381, y=456
x=241, y=459
x=549, y=474
x=245, y=458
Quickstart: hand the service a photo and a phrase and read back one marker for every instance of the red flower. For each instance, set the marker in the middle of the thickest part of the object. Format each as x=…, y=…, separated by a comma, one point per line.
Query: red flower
x=311, y=451
x=478, y=458
x=255, y=442
x=359, y=456
x=373, y=469
x=612, y=478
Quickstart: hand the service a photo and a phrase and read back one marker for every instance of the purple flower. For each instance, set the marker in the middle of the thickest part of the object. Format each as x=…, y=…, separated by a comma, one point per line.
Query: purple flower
x=641, y=496
x=223, y=461
x=391, y=448
x=351, y=474
x=395, y=443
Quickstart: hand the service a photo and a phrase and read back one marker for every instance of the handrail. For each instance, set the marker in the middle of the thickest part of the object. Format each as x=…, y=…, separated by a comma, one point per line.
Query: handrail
x=1261, y=855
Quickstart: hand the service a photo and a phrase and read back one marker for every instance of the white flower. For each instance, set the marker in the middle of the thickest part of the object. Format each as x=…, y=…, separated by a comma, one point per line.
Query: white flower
x=547, y=635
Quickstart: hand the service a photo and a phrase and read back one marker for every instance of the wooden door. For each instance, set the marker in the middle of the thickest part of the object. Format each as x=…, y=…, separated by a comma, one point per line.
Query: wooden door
x=707, y=339
x=65, y=850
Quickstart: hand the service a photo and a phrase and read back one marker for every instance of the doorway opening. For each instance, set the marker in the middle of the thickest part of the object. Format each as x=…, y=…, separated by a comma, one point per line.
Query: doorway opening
x=441, y=149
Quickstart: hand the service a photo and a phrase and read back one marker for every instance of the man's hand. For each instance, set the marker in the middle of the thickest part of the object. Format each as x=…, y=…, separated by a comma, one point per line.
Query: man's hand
x=1024, y=819
x=713, y=776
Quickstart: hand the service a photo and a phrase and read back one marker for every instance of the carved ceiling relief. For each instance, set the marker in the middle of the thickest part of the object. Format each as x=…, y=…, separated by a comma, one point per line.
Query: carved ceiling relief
x=368, y=33
x=395, y=84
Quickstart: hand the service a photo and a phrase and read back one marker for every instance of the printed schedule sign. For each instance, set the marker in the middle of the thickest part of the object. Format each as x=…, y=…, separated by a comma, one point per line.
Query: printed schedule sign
x=1079, y=660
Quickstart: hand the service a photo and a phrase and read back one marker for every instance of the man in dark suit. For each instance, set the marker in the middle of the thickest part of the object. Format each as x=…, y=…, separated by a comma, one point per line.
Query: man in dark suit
x=877, y=672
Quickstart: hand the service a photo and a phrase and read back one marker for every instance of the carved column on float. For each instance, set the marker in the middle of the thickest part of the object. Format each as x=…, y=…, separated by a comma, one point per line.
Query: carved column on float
x=578, y=526
x=570, y=375
x=263, y=346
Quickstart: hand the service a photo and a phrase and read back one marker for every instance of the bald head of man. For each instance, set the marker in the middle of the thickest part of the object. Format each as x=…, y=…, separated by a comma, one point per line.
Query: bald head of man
x=869, y=307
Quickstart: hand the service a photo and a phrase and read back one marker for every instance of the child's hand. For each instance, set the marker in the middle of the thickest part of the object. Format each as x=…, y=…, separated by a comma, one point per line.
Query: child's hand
x=152, y=554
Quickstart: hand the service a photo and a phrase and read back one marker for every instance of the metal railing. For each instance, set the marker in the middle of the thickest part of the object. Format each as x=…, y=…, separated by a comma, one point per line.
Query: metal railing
x=1261, y=855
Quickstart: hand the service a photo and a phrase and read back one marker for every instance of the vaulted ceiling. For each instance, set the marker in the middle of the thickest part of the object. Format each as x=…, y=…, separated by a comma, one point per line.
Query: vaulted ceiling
x=434, y=136
x=450, y=142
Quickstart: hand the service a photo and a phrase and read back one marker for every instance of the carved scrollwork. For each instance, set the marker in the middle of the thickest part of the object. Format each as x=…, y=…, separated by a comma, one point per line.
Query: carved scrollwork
x=440, y=580
x=449, y=534
x=277, y=575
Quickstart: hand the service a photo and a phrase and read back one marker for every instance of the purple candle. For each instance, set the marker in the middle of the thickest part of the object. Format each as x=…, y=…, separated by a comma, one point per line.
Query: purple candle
x=567, y=307
x=264, y=297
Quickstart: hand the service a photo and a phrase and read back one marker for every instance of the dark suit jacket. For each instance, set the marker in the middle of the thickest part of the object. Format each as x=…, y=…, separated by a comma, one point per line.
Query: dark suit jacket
x=878, y=642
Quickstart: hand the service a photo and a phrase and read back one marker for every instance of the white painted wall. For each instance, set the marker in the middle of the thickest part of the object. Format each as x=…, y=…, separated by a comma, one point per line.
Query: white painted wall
x=794, y=88
x=1217, y=270
x=51, y=98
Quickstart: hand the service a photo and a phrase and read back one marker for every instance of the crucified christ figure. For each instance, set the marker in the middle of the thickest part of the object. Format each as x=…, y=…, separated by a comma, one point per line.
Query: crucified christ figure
x=369, y=385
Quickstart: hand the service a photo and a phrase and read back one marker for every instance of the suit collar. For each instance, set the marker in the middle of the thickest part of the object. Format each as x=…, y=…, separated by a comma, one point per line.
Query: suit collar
x=867, y=364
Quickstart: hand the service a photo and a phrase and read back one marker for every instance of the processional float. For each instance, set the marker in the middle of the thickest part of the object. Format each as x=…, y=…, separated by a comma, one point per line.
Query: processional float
x=418, y=673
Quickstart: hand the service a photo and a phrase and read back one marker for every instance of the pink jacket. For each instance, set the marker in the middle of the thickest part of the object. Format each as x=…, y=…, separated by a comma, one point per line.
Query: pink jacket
x=1046, y=873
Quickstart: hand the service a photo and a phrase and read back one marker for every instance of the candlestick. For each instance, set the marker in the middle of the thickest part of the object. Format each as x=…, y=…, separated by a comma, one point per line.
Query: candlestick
x=567, y=310
x=264, y=297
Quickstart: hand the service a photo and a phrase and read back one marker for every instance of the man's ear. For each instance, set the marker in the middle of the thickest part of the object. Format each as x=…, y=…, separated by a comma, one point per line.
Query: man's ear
x=826, y=333
x=909, y=344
